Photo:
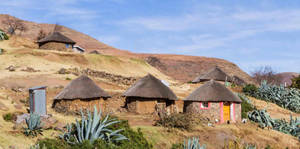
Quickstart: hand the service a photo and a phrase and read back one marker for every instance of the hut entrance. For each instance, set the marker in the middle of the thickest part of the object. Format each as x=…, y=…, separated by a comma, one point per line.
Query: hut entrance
x=226, y=111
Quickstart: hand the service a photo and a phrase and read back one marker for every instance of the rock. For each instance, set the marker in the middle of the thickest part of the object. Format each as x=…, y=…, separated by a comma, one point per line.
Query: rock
x=29, y=69
x=3, y=107
x=47, y=121
x=95, y=52
x=58, y=87
x=18, y=89
x=11, y=68
x=18, y=106
x=21, y=118
x=63, y=71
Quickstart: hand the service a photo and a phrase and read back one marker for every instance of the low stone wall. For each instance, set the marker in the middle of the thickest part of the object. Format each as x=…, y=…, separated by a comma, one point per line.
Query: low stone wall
x=56, y=46
x=100, y=74
x=238, y=112
x=211, y=114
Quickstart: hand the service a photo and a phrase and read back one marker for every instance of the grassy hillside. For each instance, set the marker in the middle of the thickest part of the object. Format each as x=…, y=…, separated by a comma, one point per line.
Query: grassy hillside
x=180, y=67
x=21, y=54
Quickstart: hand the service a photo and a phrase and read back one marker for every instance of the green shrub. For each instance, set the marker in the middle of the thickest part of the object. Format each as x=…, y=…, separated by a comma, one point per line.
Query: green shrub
x=176, y=120
x=67, y=78
x=296, y=82
x=53, y=143
x=250, y=89
x=247, y=106
x=9, y=117
x=136, y=139
x=177, y=146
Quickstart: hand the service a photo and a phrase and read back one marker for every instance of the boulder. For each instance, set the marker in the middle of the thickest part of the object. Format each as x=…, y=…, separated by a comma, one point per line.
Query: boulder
x=11, y=68
x=48, y=122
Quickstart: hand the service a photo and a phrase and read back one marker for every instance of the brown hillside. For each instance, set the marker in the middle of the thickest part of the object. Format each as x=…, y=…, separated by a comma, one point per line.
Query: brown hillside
x=286, y=77
x=180, y=67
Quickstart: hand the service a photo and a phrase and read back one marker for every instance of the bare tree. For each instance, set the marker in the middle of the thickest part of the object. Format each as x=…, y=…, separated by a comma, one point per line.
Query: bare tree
x=266, y=73
x=42, y=34
x=12, y=25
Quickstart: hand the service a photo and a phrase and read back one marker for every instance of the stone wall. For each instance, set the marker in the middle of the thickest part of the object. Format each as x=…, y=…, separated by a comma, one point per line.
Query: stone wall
x=212, y=113
x=55, y=46
x=238, y=113
x=74, y=106
x=150, y=106
x=100, y=74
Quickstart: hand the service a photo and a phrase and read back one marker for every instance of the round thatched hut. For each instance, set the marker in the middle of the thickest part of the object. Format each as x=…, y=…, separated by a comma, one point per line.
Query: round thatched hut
x=81, y=93
x=213, y=74
x=148, y=95
x=56, y=41
x=214, y=101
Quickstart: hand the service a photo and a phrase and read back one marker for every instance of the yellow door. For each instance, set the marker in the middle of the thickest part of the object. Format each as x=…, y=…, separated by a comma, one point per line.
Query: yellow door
x=226, y=111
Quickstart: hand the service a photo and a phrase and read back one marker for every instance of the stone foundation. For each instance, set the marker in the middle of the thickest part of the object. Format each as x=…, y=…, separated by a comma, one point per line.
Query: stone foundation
x=56, y=46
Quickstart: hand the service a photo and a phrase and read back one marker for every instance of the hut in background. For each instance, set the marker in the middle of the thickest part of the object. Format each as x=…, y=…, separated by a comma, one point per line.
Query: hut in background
x=238, y=81
x=214, y=74
x=214, y=101
x=81, y=93
x=148, y=95
x=56, y=41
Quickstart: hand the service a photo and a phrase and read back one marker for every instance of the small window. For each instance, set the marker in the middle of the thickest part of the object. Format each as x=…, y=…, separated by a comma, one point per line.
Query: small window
x=67, y=45
x=204, y=105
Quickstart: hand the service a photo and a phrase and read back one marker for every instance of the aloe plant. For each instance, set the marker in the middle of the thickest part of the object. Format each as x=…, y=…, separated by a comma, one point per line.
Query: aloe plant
x=3, y=36
x=34, y=126
x=92, y=128
x=288, y=98
x=193, y=144
x=263, y=118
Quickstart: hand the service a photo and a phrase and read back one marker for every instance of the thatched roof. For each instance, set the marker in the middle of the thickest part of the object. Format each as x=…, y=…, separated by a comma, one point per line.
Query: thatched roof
x=150, y=87
x=81, y=88
x=214, y=74
x=213, y=91
x=56, y=37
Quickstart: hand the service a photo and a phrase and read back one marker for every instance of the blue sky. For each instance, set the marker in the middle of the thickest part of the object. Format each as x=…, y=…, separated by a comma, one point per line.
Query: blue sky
x=250, y=33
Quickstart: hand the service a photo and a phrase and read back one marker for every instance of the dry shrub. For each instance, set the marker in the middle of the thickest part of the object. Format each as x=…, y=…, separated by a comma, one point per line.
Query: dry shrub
x=183, y=121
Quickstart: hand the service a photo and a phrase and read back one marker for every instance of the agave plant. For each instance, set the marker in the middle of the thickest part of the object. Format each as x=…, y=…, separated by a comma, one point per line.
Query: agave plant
x=284, y=97
x=34, y=126
x=3, y=36
x=263, y=118
x=193, y=144
x=91, y=128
